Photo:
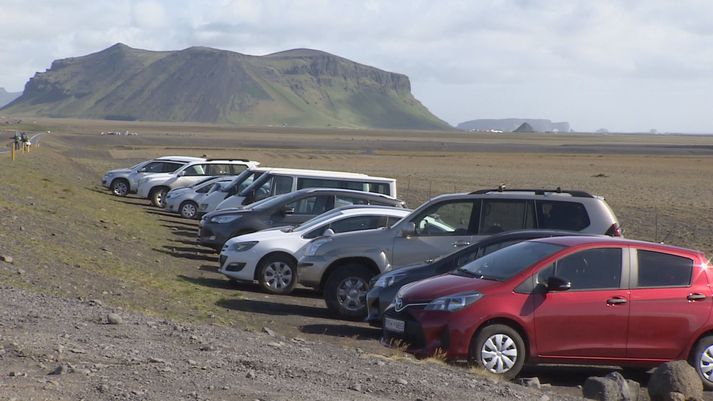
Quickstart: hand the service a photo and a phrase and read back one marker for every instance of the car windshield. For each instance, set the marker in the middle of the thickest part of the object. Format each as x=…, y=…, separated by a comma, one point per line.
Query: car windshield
x=138, y=166
x=508, y=262
x=242, y=181
x=315, y=221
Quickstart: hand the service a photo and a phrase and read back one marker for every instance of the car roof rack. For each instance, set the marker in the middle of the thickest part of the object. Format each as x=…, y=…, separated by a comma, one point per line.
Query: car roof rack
x=227, y=160
x=536, y=191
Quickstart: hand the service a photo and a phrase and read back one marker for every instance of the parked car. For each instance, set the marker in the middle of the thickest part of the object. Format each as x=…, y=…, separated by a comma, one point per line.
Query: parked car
x=383, y=288
x=124, y=181
x=270, y=256
x=184, y=200
x=219, y=226
x=564, y=300
x=155, y=186
x=227, y=190
x=275, y=181
x=437, y=227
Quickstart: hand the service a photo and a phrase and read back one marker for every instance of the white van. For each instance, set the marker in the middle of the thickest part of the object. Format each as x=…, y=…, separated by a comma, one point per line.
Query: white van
x=277, y=181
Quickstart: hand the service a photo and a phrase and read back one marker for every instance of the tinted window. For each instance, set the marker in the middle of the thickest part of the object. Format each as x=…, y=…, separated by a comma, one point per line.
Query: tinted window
x=310, y=205
x=341, y=200
x=663, y=270
x=505, y=215
x=194, y=170
x=562, y=215
x=508, y=262
x=283, y=185
x=161, y=167
x=358, y=223
x=170, y=167
x=237, y=168
x=446, y=218
x=356, y=185
x=218, y=169
x=588, y=270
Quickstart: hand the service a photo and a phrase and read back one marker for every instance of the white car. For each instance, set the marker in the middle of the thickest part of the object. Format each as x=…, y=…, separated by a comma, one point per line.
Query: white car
x=270, y=256
x=185, y=200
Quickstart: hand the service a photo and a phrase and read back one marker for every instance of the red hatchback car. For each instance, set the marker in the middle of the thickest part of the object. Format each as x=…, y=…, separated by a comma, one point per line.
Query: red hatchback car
x=583, y=300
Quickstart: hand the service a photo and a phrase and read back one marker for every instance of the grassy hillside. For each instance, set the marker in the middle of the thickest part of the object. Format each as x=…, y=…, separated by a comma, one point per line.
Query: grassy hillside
x=305, y=88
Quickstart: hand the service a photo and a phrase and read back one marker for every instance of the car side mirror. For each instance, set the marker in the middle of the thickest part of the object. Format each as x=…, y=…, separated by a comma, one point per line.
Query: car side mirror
x=555, y=284
x=409, y=229
x=287, y=210
x=328, y=232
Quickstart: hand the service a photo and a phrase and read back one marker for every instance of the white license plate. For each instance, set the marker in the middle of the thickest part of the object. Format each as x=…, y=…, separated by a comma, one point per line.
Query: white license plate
x=397, y=326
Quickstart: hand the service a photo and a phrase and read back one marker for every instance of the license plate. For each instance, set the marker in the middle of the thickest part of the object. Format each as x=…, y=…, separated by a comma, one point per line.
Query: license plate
x=397, y=326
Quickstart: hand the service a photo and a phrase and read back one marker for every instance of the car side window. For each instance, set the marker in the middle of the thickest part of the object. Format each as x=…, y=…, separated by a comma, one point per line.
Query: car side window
x=358, y=223
x=283, y=185
x=446, y=218
x=562, y=215
x=236, y=169
x=155, y=167
x=217, y=169
x=310, y=205
x=341, y=200
x=195, y=170
x=592, y=269
x=656, y=269
x=500, y=215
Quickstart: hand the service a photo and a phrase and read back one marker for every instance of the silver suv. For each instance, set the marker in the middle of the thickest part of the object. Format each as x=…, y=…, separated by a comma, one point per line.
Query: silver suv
x=124, y=181
x=341, y=265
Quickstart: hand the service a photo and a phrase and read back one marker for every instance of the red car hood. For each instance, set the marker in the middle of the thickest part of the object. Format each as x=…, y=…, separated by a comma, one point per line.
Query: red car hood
x=448, y=284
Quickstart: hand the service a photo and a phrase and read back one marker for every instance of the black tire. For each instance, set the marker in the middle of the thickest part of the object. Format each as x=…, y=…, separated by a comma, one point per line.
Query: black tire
x=505, y=350
x=119, y=187
x=188, y=209
x=345, y=291
x=703, y=366
x=277, y=274
x=158, y=197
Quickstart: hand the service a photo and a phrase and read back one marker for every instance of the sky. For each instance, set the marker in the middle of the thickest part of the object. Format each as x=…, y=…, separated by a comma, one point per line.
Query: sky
x=626, y=66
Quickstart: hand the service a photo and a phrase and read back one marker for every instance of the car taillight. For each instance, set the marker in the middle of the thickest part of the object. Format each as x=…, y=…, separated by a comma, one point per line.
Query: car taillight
x=614, y=231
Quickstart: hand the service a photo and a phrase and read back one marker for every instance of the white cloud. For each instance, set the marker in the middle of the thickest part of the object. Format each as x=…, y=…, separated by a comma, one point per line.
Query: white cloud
x=558, y=59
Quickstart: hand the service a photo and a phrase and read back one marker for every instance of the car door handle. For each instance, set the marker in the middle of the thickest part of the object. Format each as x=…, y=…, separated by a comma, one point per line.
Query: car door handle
x=695, y=297
x=616, y=301
x=461, y=243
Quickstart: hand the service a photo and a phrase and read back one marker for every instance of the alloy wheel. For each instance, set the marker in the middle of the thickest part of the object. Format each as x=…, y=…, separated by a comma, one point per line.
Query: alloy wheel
x=351, y=293
x=278, y=275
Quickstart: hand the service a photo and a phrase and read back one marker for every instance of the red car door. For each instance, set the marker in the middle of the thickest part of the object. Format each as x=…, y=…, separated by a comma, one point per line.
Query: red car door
x=590, y=319
x=670, y=301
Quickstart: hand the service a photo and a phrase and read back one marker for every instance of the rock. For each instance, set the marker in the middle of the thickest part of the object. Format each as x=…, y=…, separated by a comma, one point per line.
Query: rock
x=59, y=370
x=7, y=258
x=401, y=381
x=250, y=374
x=114, y=318
x=531, y=382
x=355, y=387
x=613, y=387
x=20, y=271
x=103, y=388
x=544, y=398
x=156, y=360
x=268, y=331
x=676, y=380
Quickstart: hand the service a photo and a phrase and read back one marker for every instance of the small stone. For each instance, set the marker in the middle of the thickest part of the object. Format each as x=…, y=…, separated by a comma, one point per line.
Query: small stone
x=381, y=363
x=355, y=387
x=103, y=388
x=156, y=360
x=531, y=382
x=268, y=331
x=114, y=318
x=250, y=374
x=544, y=397
x=275, y=344
x=207, y=348
x=61, y=369
x=401, y=381
x=7, y=258
x=20, y=271
x=192, y=362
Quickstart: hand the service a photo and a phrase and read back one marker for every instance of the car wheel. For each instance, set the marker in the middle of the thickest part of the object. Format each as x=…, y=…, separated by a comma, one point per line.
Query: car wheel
x=277, y=274
x=158, y=197
x=345, y=291
x=188, y=210
x=499, y=349
x=702, y=361
x=120, y=187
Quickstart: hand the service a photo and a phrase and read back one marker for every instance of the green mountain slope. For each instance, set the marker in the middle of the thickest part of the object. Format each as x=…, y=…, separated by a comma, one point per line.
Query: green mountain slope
x=301, y=87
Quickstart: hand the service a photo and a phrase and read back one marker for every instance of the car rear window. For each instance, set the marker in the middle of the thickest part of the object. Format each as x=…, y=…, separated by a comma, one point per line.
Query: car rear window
x=561, y=215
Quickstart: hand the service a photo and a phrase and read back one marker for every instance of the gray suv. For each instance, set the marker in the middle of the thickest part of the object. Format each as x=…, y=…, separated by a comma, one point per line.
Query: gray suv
x=341, y=265
x=287, y=209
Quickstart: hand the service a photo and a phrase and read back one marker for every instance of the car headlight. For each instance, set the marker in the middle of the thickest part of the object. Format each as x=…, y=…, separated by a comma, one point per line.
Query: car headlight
x=243, y=246
x=452, y=303
x=313, y=246
x=226, y=218
x=388, y=280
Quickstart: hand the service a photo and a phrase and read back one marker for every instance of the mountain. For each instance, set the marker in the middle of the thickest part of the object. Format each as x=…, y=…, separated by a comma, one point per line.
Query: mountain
x=301, y=87
x=7, y=97
x=510, y=124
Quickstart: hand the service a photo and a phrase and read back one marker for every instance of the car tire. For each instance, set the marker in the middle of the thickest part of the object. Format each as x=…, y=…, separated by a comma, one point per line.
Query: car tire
x=188, y=210
x=499, y=349
x=119, y=187
x=158, y=196
x=345, y=291
x=701, y=360
x=277, y=274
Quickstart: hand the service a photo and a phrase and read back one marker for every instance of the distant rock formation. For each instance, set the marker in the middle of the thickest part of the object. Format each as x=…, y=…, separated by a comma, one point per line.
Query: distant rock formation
x=510, y=124
x=524, y=127
x=301, y=87
x=7, y=97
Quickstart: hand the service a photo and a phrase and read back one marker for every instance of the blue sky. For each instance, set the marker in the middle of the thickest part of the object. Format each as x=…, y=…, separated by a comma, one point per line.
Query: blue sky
x=629, y=65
